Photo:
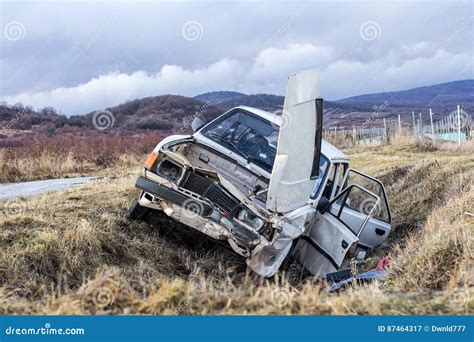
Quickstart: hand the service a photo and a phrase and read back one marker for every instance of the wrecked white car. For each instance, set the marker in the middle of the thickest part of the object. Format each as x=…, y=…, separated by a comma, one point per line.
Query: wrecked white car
x=270, y=186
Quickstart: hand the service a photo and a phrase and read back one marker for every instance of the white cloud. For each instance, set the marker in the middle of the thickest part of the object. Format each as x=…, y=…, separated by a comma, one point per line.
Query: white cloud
x=272, y=62
x=419, y=49
x=266, y=72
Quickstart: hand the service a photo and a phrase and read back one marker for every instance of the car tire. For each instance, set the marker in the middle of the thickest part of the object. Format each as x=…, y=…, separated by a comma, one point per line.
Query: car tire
x=137, y=212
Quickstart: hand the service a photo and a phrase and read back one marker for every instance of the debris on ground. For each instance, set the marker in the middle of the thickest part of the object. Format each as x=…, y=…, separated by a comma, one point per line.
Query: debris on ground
x=379, y=272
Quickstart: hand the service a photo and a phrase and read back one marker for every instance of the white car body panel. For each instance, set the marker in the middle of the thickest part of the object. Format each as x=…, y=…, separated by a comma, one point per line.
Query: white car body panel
x=330, y=238
x=288, y=210
x=290, y=183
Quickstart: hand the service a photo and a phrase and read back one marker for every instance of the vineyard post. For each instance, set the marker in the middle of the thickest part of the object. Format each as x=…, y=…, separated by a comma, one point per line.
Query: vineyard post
x=399, y=125
x=459, y=125
x=420, y=125
x=432, y=128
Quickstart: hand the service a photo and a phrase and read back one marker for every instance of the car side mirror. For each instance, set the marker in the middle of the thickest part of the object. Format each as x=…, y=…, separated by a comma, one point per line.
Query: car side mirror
x=196, y=124
x=323, y=205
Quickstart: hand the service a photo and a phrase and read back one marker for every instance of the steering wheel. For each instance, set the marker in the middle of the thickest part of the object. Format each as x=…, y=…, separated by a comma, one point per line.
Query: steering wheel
x=254, y=143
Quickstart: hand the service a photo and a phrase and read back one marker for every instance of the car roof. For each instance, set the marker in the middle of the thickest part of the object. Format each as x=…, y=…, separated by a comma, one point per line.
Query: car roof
x=329, y=150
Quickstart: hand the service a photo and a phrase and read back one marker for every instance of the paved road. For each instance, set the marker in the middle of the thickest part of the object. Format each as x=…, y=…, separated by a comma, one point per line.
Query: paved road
x=12, y=190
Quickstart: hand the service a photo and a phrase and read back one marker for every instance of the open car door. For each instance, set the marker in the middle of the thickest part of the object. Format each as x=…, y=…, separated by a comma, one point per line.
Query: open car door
x=331, y=243
x=379, y=224
x=299, y=144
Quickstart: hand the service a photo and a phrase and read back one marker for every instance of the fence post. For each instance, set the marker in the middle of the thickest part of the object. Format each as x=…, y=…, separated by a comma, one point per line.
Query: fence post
x=399, y=125
x=459, y=125
x=432, y=128
x=414, y=127
x=421, y=125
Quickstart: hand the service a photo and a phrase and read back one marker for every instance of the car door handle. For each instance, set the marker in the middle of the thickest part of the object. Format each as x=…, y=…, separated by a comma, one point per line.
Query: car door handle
x=379, y=231
x=344, y=244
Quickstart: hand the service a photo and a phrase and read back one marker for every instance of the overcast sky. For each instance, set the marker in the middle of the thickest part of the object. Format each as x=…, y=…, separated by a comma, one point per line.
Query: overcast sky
x=80, y=57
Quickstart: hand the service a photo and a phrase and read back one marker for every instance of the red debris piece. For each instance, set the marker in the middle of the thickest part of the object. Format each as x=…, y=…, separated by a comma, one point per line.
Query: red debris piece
x=383, y=263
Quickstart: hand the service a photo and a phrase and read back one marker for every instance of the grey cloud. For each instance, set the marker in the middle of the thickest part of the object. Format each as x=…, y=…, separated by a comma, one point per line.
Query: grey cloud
x=69, y=46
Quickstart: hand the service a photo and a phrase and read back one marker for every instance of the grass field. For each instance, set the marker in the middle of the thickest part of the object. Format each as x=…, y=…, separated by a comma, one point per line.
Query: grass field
x=74, y=251
x=72, y=155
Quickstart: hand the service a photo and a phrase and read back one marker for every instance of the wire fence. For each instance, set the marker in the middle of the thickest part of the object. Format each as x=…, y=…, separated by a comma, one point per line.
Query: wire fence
x=457, y=127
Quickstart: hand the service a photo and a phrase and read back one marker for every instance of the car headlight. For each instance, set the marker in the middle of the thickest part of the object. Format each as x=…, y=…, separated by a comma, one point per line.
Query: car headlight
x=246, y=217
x=169, y=170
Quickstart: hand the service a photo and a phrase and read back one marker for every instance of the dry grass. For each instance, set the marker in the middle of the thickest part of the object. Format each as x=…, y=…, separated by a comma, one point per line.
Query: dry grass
x=71, y=155
x=74, y=252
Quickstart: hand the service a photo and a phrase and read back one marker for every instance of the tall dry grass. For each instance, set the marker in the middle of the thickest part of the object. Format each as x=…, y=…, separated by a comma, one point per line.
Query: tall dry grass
x=74, y=252
x=69, y=155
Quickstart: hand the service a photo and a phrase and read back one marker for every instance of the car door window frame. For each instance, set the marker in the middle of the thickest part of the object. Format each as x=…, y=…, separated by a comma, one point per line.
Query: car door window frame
x=345, y=193
x=346, y=176
x=341, y=169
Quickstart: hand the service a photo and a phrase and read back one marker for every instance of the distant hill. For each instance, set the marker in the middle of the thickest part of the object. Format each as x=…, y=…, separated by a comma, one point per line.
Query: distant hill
x=24, y=118
x=441, y=98
x=371, y=109
x=434, y=95
x=267, y=102
x=216, y=97
x=170, y=113
x=274, y=103
x=165, y=112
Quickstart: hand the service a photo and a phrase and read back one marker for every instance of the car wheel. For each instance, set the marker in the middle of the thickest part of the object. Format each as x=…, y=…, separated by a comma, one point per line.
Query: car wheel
x=137, y=212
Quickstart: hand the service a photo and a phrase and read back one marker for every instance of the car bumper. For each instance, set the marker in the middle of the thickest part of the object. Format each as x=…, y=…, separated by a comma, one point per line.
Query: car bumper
x=195, y=213
x=167, y=194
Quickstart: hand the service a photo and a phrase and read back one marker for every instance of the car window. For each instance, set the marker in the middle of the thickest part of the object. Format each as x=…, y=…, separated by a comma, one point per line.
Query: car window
x=340, y=180
x=319, y=180
x=382, y=212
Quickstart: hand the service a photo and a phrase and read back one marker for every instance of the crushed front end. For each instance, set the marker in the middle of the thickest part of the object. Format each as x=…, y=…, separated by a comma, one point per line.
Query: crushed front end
x=203, y=199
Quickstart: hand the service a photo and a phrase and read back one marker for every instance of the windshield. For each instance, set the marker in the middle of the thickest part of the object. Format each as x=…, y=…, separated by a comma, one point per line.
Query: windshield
x=250, y=136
